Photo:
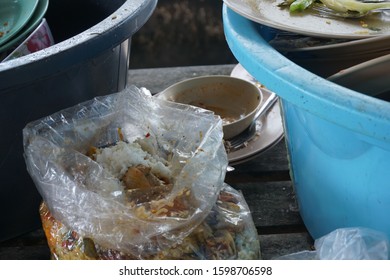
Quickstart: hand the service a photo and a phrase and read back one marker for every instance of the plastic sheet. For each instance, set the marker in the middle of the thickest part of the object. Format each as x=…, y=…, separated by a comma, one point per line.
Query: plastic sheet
x=355, y=243
x=81, y=196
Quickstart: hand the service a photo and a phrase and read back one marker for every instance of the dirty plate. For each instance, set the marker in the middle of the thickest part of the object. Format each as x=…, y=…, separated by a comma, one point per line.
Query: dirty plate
x=34, y=21
x=269, y=127
x=14, y=14
x=268, y=13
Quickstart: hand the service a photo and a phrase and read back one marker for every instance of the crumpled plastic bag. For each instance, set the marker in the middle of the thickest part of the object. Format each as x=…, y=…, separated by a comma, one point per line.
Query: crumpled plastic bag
x=226, y=233
x=86, y=200
x=354, y=243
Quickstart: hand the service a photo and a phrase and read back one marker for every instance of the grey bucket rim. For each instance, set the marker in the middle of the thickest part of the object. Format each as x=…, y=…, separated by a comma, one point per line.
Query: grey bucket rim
x=107, y=34
x=360, y=113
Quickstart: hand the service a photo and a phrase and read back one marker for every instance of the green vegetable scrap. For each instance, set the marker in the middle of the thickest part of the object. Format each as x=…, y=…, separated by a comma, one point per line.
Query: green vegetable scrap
x=300, y=5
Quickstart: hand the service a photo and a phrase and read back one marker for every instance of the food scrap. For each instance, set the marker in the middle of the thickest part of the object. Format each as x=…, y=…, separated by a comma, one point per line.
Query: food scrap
x=219, y=236
x=342, y=8
x=147, y=184
x=5, y=24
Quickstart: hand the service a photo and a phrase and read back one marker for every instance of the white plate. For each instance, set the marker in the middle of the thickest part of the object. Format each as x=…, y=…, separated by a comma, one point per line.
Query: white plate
x=270, y=127
x=268, y=13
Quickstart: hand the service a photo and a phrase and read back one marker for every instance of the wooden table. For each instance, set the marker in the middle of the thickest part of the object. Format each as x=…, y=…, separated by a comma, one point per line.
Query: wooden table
x=264, y=182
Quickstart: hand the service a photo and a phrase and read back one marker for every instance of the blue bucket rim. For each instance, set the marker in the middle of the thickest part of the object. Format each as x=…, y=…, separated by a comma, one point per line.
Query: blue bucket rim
x=363, y=114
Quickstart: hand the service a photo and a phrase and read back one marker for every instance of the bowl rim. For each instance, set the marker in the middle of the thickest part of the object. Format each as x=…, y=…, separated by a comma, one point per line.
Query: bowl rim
x=216, y=77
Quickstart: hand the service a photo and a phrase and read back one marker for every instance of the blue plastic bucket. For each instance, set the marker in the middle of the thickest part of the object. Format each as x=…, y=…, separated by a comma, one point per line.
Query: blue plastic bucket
x=338, y=140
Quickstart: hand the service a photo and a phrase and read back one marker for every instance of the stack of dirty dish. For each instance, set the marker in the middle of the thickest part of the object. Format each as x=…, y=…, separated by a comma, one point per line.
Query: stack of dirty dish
x=321, y=41
x=23, y=28
x=326, y=56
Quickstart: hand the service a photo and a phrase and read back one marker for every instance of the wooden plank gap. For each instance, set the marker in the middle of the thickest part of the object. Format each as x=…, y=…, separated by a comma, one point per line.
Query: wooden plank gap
x=251, y=177
x=281, y=229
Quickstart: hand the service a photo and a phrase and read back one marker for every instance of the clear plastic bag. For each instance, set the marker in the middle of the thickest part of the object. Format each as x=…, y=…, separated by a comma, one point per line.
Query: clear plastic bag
x=355, y=243
x=227, y=232
x=85, y=199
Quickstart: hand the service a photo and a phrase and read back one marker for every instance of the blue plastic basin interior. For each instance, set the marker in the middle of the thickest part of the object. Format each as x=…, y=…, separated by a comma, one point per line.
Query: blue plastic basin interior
x=338, y=139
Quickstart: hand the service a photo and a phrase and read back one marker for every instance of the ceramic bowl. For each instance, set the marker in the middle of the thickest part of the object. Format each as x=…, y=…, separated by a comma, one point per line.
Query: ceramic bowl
x=235, y=100
x=39, y=39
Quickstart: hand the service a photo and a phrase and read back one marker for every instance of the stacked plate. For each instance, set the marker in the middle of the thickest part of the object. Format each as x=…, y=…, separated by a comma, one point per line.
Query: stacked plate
x=322, y=44
x=20, y=21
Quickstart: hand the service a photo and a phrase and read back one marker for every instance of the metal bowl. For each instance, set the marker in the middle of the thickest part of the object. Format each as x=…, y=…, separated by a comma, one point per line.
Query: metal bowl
x=235, y=100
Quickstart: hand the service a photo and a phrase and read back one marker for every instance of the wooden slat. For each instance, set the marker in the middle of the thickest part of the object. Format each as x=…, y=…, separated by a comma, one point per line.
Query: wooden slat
x=30, y=246
x=36, y=252
x=157, y=79
x=277, y=245
x=272, y=204
x=272, y=165
x=274, y=159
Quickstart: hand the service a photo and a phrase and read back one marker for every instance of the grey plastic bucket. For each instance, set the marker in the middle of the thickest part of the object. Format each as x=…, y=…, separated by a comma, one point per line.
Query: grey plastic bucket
x=90, y=59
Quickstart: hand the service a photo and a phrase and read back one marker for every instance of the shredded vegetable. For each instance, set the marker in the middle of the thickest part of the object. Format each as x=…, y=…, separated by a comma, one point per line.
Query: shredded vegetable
x=357, y=6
